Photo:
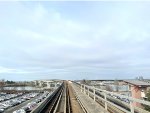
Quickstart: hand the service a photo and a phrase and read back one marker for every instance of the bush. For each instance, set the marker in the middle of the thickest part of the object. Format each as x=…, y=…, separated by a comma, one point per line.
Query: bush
x=148, y=99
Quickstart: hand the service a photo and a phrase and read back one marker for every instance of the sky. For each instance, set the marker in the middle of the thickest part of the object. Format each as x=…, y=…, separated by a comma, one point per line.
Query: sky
x=74, y=40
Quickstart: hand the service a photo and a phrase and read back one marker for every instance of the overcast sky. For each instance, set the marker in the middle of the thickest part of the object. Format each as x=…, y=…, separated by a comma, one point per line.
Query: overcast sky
x=74, y=40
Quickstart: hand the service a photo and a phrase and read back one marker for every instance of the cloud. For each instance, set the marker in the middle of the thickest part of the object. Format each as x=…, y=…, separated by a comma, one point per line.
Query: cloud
x=42, y=40
x=6, y=70
x=9, y=70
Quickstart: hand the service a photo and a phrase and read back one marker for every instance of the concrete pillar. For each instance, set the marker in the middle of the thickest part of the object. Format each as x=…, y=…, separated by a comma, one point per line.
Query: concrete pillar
x=84, y=88
x=81, y=87
x=88, y=91
x=105, y=97
x=131, y=107
x=94, y=92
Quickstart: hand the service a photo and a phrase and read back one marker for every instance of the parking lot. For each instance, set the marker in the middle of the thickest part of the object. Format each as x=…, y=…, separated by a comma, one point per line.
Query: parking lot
x=21, y=102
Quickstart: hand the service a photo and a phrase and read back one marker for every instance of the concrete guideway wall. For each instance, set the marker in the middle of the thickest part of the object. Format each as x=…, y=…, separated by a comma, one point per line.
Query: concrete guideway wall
x=40, y=107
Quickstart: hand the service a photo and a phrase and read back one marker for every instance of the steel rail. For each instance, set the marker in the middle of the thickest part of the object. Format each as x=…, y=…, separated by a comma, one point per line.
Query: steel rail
x=68, y=101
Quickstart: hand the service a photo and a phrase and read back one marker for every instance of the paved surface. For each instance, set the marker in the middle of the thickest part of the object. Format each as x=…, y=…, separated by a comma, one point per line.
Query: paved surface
x=89, y=104
x=10, y=110
x=76, y=108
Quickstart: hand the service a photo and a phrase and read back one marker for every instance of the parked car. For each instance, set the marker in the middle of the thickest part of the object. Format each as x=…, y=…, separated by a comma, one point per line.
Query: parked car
x=20, y=111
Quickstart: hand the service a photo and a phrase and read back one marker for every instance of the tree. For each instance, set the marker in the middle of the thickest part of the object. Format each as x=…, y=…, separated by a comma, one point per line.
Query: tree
x=2, y=83
x=148, y=99
x=109, y=88
x=10, y=82
x=87, y=82
x=136, y=78
x=140, y=77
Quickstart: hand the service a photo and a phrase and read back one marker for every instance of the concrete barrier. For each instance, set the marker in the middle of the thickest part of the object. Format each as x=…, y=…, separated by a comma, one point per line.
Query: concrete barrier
x=41, y=106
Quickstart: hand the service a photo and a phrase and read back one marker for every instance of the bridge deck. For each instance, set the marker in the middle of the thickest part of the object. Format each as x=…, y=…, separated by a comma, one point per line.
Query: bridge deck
x=89, y=104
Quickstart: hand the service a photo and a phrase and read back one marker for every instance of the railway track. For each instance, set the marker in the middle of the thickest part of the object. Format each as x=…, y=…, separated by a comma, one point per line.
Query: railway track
x=62, y=101
x=68, y=101
x=51, y=105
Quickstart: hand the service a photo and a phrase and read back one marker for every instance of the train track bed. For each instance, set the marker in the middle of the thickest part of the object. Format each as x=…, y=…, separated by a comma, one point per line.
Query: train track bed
x=68, y=102
x=62, y=101
x=52, y=104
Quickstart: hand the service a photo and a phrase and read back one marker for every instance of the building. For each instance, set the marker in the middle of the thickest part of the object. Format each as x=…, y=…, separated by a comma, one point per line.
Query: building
x=48, y=83
x=138, y=89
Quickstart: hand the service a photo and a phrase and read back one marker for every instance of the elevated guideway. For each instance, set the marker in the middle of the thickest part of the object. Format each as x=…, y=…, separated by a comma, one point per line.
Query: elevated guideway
x=72, y=97
x=62, y=100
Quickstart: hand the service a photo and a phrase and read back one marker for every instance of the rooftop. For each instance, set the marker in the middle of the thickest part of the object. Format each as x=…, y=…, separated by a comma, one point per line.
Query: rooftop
x=137, y=82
